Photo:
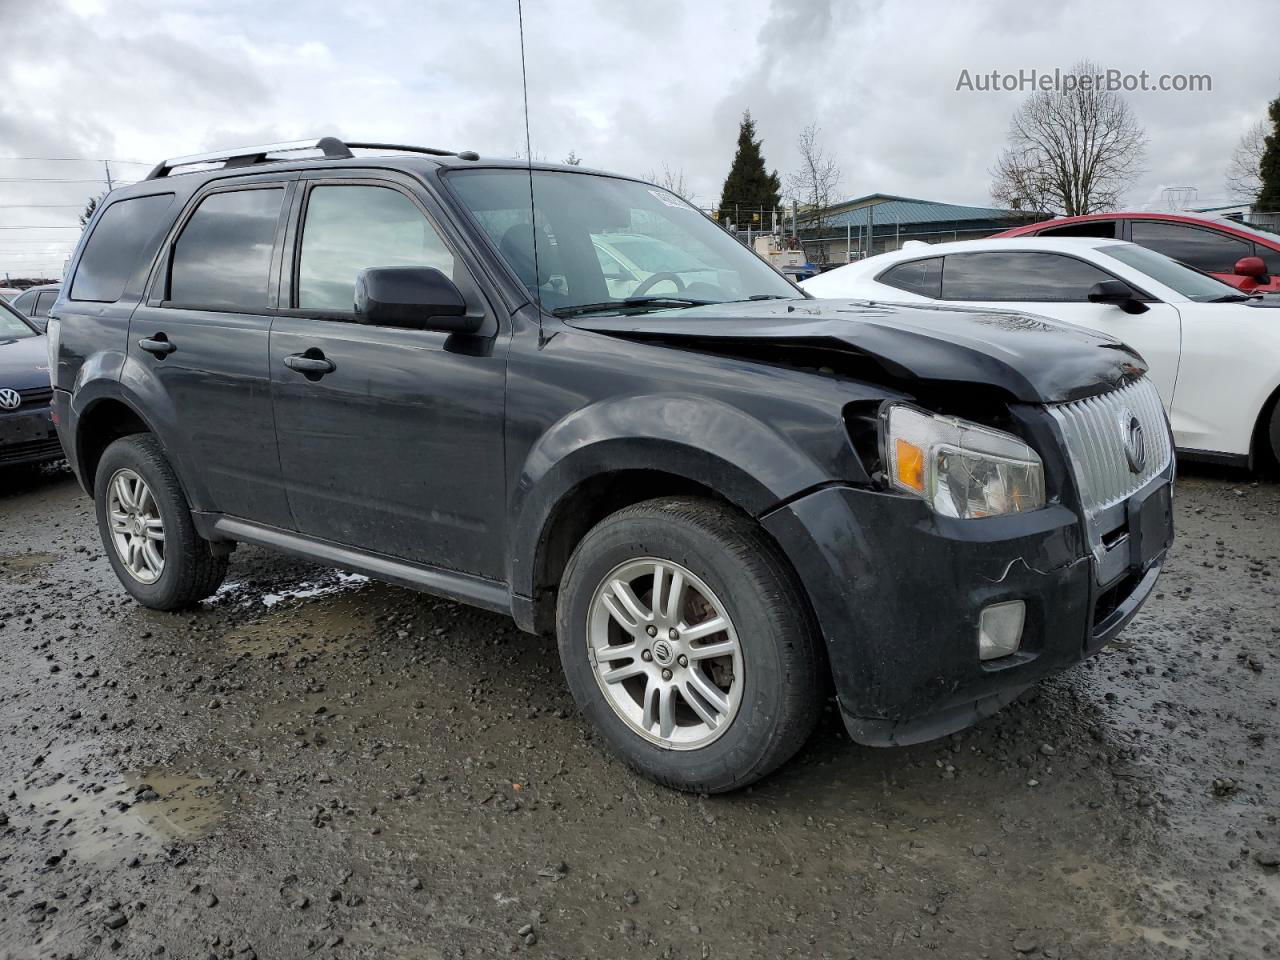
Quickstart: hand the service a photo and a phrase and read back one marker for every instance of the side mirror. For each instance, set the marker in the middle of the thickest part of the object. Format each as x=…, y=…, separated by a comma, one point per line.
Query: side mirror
x=417, y=298
x=1117, y=293
x=1253, y=267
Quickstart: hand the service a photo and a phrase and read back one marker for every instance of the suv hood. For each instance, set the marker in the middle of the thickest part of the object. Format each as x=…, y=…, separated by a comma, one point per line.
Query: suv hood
x=24, y=364
x=1030, y=358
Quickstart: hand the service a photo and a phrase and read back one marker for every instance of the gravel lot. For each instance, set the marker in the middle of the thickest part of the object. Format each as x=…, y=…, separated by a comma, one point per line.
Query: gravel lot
x=313, y=765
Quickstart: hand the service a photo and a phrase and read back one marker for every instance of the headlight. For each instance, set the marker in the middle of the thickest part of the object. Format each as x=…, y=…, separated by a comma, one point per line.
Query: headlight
x=961, y=469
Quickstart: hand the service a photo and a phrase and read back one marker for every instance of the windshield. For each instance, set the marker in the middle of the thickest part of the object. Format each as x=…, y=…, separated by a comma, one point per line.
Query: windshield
x=608, y=245
x=1192, y=284
x=12, y=326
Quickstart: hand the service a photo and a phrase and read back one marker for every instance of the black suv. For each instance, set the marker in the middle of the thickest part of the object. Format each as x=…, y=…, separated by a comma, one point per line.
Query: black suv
x=572, y=398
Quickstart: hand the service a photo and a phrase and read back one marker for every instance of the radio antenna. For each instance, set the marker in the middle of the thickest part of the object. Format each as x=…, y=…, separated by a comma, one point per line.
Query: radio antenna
x=528, y=159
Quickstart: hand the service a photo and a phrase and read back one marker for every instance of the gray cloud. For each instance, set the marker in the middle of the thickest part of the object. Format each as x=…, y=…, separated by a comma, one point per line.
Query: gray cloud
x=628, y=87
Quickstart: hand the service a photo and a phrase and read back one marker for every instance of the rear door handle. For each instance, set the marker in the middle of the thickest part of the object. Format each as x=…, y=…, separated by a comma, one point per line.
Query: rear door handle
x=313, y=363
x=158, y=345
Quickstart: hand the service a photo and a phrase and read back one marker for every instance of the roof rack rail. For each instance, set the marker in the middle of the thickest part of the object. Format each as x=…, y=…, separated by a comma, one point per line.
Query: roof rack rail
x=331, y=147
x=405, y=148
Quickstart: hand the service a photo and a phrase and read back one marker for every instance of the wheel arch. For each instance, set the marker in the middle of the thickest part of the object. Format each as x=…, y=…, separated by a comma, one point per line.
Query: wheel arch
x=102, y=422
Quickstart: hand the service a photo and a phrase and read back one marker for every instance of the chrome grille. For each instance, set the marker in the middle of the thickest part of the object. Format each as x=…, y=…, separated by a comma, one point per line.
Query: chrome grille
x=1096, y=431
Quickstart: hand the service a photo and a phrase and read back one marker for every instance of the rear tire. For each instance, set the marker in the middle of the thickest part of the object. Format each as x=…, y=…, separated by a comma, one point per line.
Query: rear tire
x=145, y=524
x=731, y=719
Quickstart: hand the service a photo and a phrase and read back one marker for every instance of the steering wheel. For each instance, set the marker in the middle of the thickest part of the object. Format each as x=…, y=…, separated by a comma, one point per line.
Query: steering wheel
x=648, y=283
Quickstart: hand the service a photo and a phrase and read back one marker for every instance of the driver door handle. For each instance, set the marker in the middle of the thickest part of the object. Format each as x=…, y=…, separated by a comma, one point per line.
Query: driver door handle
x=311, y=363
x=158, y=345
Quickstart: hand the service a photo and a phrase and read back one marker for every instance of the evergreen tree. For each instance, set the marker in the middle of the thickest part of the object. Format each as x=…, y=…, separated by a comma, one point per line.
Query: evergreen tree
x=1269, y=166
x=749, y=188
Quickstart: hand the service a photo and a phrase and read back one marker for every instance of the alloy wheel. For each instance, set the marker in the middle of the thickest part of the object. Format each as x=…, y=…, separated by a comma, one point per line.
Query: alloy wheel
x=665, y=653
x=137, y=530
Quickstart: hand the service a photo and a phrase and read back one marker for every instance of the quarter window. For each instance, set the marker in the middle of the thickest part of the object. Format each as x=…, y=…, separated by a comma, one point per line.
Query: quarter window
x=1046, y=277
x=350, y=228
x=1205, y=250
x=222, y=261
x=123, y=241
x=919, y=276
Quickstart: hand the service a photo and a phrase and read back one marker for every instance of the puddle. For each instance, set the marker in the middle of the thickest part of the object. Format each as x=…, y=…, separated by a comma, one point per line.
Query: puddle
x=235, y=593
x=24, y=564
x=332, y=622
x=133, y=814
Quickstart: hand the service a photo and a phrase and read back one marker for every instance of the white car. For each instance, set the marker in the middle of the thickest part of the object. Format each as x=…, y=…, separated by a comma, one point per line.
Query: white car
x=1214, y=353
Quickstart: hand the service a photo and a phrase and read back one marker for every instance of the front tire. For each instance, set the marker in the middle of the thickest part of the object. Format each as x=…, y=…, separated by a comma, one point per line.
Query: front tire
x=1272, y=437
x=687, y=641
x=145, y=524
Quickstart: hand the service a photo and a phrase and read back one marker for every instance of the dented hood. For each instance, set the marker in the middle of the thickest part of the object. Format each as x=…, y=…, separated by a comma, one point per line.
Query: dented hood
x=1031, y=358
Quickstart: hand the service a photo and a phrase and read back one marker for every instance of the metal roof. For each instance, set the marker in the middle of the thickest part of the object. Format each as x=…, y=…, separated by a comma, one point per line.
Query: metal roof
x=907, y=210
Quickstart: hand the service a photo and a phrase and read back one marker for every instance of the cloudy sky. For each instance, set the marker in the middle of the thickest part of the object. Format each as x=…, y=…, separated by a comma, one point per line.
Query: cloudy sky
x=626, y=86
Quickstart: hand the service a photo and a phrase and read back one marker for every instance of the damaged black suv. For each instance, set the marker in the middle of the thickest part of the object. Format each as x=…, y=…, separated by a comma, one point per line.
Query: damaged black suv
x=572, y=398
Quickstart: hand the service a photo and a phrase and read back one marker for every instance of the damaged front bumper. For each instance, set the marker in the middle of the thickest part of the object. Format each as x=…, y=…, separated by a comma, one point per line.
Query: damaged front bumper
x=898, y=592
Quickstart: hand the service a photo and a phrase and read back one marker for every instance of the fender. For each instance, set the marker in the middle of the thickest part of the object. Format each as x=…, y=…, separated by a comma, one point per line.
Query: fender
x=139, y=393
x=705, y=441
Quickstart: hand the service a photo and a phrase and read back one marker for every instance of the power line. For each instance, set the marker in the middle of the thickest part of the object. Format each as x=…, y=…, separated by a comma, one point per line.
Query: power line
x=39, y=206
x=40, y=226
x=140, y=163
x=47, y=180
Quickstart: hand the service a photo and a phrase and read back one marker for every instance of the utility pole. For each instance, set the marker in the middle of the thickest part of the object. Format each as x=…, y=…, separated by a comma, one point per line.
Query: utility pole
x=107, y=166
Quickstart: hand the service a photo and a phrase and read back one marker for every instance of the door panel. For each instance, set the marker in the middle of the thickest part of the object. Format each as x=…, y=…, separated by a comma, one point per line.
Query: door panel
x=216, y=383
x=398, y=450
x=1230, y=367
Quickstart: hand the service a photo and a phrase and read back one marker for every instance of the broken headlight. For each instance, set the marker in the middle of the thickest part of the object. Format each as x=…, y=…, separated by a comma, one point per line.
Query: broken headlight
x=959, y=468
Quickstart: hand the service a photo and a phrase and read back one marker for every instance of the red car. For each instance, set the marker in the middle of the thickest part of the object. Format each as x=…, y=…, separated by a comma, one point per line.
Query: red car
x=1237, y=254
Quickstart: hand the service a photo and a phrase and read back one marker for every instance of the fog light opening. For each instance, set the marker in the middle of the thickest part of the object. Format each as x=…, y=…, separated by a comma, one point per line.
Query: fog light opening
x=1000, y=629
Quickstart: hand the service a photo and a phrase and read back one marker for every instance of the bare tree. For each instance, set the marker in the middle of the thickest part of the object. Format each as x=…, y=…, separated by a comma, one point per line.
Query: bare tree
x=672, y=180
x=814, y=184
x=1243, y=177
x=1070, y=151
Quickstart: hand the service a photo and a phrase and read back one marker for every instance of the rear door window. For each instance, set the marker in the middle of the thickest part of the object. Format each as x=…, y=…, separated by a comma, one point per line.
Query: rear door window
x=919, y=276
x=1045, y=277
x=1205, y=250
x=123, y=242
x=44, y=303
x=222, y=260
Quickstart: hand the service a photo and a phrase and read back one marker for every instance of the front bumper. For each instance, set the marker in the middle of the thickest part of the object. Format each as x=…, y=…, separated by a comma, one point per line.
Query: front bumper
x=898, y=592
x=27, y=435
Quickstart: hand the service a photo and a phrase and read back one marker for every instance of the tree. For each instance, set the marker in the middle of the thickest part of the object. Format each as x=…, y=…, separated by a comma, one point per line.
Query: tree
x=814, y=184
x=1070, y=151
x=672, y=180
x=1269, y=165
x=749, y=186
x=1243, y=180
x=573, y=159
x=89, y=207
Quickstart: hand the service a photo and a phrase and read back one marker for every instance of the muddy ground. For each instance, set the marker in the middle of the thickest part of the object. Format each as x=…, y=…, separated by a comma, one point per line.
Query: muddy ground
x=313, y=765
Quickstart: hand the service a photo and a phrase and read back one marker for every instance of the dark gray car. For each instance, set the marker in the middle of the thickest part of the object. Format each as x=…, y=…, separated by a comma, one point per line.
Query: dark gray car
x=720, y=494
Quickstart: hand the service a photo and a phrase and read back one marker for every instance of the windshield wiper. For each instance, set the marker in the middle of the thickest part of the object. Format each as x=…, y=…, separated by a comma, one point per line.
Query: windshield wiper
x=629, y=303
x=1231, y=298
